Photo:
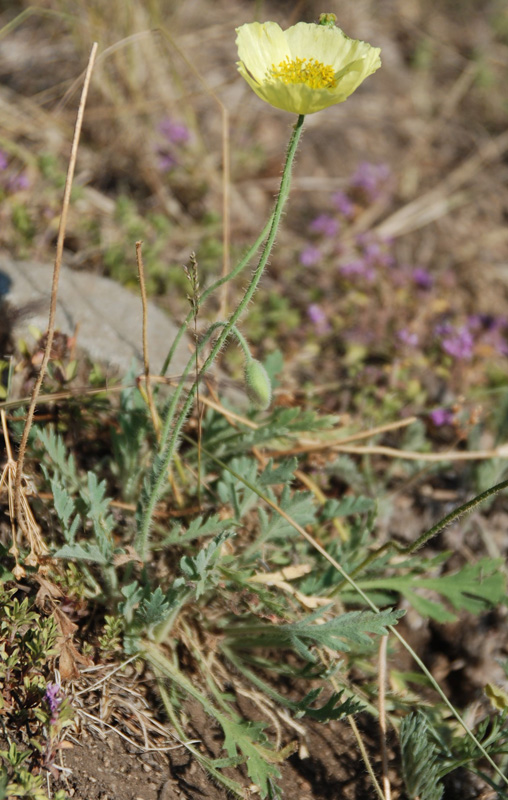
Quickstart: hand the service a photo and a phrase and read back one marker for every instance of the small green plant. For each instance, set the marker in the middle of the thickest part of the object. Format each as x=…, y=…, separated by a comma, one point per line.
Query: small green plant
x=28, y=701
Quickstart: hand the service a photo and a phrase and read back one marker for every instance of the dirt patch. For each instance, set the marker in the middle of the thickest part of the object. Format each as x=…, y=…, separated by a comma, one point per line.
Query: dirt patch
x=106, y=770
x=325, y=768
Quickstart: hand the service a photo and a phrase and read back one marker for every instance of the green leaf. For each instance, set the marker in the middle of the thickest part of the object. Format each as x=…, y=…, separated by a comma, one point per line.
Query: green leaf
x=334, y=708
x=63, y=502
x=153, y=609
x=283, y=473
x=298, y=505
x=133, y=594
x=472, y=588
x=82, y=552
x=97, y=511
x=198, y=528
x=351, y=504
x=248, y=737
x=420, y=763
x=336, y=633
x=54, y=447
x=200, y=569
x=233, y=491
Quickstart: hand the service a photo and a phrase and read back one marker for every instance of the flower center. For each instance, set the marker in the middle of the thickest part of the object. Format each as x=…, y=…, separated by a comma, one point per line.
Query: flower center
x=305, y=70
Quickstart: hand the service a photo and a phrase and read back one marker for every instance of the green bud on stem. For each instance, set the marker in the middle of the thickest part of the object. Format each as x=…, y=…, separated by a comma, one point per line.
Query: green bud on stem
x=257, y=384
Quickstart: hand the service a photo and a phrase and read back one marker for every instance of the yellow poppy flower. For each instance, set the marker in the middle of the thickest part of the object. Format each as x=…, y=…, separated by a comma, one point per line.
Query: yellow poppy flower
x=305, y=68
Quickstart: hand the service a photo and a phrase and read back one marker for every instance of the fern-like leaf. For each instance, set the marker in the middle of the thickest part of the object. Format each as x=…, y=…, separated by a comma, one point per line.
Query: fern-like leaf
x=420, y=765
x=336, y=633
x=200, y=569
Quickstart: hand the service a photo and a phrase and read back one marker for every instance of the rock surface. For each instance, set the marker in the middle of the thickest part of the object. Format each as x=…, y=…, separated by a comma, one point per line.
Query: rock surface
x=106, y=317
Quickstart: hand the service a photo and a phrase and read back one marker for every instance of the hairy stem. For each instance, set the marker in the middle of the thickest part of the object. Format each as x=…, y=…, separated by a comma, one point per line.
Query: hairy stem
x=149, y=499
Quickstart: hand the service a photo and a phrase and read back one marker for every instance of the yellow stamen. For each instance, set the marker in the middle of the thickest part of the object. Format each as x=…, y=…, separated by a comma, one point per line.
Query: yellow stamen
x=305, y=70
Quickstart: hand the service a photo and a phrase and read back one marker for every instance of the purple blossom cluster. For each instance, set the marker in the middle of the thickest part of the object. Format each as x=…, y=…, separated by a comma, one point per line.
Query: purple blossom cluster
x=326, y=225
x=310, y=256
x=460, y=341
x=365, y=186
x=490, y=330
x=12, y=181
x=422, y=278
x=442, y=416
x=457, y=341
x=366, y=260
x=371, y=180
x=370, y=254
x=319, y=319
x=343, y=204
x=368, y=183
x=175, y=135
x=408, y=337
x=53, y=697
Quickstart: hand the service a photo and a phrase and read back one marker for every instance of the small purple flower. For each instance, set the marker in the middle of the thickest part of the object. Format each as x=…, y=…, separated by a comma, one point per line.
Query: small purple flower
x=318, y=317
x=326, y=225
x=490, y=331
x=375, y=250
x=54, y=700
x=174, y=132
x=166, y=161
x=442, y=416
x=18, y=182
x=310, y=256
x=500, y=344
x=369, y=178
x=372, y=251
x=358, y=269
x=422, y=278
x=408, y=338
x=457, y=342
x=3, y=160
x=343, y=204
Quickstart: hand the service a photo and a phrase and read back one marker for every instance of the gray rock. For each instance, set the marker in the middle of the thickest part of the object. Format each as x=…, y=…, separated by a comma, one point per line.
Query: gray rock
x=106, y=316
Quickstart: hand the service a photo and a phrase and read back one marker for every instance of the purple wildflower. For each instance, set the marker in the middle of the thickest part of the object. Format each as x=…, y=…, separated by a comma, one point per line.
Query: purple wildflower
x=358, y=269
x=3, y=160
x=491, y=331
x=457, y=342
x=375, y=250
x=486, y=322
x=174, y=132
x=343, y=204
x=310, y=256
x=369, y=178
x=326, y=225
x=442, y=416
x=318, y=317
x=54, y=700
x=422, y=278
x=406, y=337
x=166, y=161
x=18, y=182
x=372, y=251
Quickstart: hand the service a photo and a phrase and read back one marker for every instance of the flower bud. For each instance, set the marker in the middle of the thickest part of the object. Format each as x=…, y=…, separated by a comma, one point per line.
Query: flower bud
x=327, y=19
x=257, y=384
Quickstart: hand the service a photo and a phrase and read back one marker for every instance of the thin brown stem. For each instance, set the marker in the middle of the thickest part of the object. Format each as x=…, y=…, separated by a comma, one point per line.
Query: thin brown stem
x=54, y=288
x=365, y=756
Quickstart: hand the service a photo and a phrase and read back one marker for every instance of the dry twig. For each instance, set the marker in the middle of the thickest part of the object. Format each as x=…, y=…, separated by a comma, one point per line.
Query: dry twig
x=18, y=507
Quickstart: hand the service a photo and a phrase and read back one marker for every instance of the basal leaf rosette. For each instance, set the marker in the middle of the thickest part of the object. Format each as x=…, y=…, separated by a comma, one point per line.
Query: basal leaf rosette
x=304, y=69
